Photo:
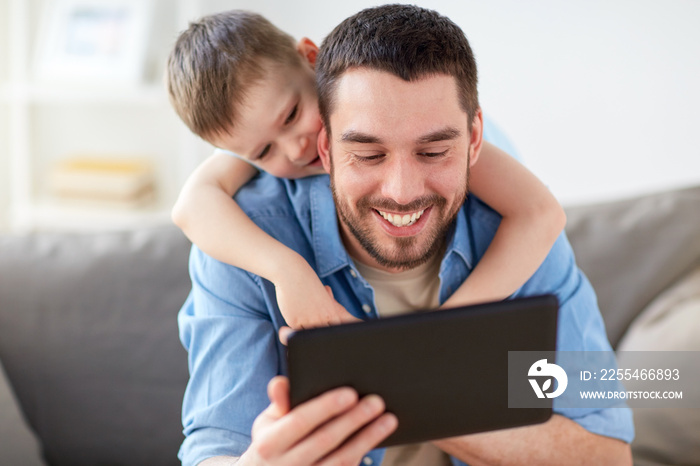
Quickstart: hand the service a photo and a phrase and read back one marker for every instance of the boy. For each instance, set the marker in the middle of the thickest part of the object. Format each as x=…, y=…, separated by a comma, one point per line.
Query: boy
x=241, y=84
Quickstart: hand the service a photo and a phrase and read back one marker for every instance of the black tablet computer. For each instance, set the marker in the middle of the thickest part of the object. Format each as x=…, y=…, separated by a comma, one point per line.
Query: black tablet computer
x=442, y=373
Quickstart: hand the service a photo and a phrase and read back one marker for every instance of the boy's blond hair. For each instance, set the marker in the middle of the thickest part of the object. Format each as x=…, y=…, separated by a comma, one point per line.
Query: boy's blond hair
x=216, y=60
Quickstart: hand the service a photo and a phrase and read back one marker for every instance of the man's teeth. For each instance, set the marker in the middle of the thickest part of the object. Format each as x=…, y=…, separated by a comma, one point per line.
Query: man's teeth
x=401, y=220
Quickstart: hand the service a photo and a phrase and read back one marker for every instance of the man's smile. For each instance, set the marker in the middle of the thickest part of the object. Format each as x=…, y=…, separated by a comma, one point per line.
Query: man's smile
x=403, y=224
x=401, y=220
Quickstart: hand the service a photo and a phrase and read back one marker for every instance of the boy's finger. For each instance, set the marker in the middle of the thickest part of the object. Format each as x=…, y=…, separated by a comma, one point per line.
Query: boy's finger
x=345, y=317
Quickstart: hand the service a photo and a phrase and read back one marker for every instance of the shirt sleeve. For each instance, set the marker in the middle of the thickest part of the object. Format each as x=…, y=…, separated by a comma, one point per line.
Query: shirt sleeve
x=580, y=328
x=494, y=135
x=231, y=337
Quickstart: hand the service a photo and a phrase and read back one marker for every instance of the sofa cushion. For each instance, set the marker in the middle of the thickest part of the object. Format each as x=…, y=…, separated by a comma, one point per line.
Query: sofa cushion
x=670, y=323
x=18, y=444
x=89, y=340
x=633, y=249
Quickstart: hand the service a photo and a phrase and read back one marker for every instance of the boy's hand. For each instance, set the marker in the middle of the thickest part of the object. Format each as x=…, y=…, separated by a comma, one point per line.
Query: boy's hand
x=334, y=428
x=306, y=303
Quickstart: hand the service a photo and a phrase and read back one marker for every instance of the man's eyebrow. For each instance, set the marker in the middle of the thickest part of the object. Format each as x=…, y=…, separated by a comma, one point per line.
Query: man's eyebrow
x=359, y=137
x=444, y=134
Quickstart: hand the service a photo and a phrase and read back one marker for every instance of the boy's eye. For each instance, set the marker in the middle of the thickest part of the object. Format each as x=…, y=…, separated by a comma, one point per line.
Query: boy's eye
x=264, y=152
x=291, y=116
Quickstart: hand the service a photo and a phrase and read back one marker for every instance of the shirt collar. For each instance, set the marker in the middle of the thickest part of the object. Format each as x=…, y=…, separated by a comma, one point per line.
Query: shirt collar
x=330, y=252
x=461, y=238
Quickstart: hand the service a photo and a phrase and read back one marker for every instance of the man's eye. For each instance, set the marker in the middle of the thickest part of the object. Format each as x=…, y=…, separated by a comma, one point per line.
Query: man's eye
x=291, y=116
x=434, y=154
x=369, y=158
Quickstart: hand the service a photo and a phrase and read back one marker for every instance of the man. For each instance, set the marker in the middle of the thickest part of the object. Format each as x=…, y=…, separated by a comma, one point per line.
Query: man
x=397, y=90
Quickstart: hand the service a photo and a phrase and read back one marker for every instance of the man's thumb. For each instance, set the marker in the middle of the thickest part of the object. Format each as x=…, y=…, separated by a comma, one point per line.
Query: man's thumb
x=278, y=392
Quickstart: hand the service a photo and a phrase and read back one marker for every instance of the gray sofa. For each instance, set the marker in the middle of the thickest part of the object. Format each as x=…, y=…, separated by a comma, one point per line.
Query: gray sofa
x=88, y=331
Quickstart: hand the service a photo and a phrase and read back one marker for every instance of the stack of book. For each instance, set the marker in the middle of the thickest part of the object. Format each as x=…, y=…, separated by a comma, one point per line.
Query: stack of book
x=104, y=180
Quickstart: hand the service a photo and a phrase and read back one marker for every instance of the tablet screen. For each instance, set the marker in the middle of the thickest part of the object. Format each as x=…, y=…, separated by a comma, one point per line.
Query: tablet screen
x=442, y=373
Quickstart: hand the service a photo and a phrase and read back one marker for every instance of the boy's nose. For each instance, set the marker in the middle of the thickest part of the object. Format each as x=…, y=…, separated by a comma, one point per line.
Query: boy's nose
x=296, y=148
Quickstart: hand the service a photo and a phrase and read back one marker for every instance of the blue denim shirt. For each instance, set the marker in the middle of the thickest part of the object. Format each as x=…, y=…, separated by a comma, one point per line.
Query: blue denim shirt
x=230, y=320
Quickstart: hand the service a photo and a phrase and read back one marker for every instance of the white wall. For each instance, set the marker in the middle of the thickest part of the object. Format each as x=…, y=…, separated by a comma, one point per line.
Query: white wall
x=601, y=97
x=4, y=118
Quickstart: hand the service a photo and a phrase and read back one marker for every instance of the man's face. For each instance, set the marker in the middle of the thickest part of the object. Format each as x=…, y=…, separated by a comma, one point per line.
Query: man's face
x=398, y=157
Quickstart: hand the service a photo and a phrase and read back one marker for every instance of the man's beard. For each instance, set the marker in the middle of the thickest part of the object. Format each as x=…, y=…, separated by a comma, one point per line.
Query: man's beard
x=404, y=252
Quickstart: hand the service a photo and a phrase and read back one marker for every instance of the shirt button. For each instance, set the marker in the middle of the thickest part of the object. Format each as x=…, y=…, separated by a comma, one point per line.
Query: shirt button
x=367, y=308
x=353, y=273
x=367, y=460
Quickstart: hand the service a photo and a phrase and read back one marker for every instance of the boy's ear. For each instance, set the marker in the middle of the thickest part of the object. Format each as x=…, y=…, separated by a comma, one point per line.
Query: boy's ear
x=324, y=149
x=308, y=50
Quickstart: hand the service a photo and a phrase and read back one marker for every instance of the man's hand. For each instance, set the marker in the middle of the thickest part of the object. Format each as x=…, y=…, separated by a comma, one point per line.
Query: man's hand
x=334, y=428
x=557, y=441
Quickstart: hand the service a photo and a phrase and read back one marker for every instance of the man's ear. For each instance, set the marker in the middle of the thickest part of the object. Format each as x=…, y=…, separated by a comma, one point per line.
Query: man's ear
x=324, y=149
x=308, y=50
x=476, y=136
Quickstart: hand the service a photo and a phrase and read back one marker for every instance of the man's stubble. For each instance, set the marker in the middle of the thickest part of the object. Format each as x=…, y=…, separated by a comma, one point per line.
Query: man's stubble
x=406, y=254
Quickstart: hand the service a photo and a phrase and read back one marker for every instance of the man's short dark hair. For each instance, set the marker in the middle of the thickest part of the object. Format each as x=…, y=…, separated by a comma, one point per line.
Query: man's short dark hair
x=408, y=41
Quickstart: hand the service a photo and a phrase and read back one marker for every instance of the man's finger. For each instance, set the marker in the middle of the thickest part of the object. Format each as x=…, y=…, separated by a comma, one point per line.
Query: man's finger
x=278, y=392
x=362, y=442
x=329, y=437
x=307, y=417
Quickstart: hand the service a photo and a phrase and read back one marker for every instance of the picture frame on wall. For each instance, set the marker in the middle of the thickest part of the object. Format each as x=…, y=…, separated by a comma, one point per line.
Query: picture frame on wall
x=97, y=42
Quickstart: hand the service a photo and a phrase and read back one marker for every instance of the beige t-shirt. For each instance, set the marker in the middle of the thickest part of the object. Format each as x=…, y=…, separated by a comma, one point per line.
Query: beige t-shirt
x=399, y=293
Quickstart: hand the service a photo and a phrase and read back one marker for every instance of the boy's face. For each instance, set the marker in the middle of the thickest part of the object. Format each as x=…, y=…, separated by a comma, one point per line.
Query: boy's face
x=278, y=123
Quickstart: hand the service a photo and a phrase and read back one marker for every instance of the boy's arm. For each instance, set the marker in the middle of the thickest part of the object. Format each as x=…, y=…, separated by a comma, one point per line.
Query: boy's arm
x=211, y=219
x=532, y=219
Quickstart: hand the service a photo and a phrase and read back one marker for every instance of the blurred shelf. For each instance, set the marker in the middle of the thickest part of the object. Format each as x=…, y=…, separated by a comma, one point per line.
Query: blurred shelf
x=44, y=120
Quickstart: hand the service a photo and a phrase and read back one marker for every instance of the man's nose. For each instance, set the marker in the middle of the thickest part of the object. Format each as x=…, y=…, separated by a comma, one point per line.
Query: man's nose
x=403, y=179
